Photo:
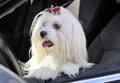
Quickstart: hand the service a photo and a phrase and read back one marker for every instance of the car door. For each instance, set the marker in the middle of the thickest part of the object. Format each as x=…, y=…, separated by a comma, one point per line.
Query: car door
x=12, y=18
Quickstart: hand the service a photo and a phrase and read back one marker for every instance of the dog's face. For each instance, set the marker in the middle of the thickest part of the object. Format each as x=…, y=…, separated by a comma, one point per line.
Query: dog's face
x=53, y=31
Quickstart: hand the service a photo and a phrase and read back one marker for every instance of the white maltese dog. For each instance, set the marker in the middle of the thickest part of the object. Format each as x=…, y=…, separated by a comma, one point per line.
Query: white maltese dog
x=58, y=45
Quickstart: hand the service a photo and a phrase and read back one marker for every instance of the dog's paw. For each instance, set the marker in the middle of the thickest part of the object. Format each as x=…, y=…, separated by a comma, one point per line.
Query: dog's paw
x=42, y=73
x=70, y=69
x=88, y=65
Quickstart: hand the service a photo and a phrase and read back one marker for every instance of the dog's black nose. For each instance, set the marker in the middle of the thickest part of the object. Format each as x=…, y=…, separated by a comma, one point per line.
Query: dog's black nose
x=43, y=34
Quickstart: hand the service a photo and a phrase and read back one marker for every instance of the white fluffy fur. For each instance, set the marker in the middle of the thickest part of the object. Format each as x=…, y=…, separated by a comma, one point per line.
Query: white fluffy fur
x=68, y=53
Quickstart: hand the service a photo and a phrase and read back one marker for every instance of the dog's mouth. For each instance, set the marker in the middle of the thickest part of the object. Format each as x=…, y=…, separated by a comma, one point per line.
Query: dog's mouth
x=47, y=43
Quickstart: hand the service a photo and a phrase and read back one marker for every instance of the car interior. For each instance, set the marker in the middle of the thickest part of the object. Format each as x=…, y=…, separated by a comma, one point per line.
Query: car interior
x=101, y=23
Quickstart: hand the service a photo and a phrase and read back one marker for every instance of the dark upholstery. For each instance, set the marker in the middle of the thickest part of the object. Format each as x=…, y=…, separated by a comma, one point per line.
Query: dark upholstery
x=106, y=47
x=94, y=15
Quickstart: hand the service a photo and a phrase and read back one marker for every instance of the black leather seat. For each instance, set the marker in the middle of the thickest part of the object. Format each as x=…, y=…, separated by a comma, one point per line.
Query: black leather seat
x=7, y=57
x=106, y=47
x=94, y=15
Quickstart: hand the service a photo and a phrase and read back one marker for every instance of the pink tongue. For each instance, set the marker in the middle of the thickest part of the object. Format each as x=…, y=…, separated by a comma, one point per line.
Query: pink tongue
x=46, y=43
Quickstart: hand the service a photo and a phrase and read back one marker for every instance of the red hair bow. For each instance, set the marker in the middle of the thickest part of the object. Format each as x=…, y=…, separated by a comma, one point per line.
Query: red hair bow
x=53, y=10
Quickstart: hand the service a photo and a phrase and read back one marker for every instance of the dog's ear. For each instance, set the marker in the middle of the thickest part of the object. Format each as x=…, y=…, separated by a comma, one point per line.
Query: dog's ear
x=34, y=22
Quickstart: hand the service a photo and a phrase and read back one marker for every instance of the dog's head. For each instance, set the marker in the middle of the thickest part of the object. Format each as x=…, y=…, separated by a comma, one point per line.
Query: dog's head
x=56, y=30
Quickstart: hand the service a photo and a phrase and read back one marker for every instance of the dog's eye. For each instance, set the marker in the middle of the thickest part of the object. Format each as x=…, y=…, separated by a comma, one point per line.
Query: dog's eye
x=43, y=24
x=56, y=26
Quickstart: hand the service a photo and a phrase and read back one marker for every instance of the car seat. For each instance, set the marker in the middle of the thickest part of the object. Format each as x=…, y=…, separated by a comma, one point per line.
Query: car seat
x=106, y=47
x=94, y=15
